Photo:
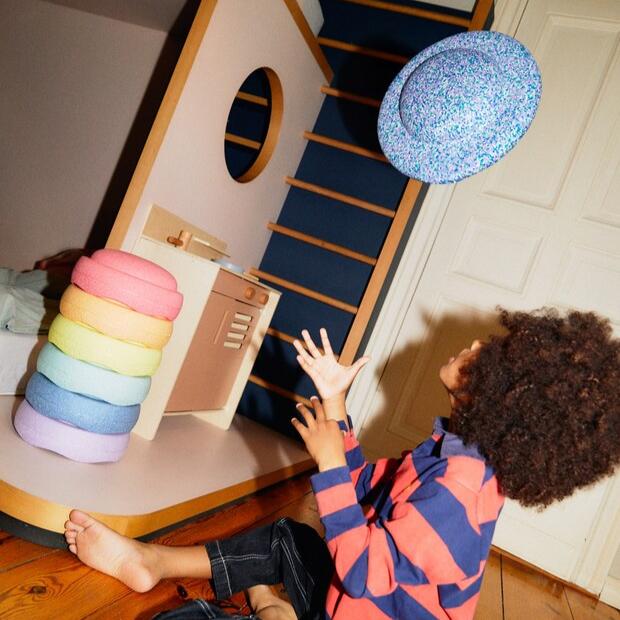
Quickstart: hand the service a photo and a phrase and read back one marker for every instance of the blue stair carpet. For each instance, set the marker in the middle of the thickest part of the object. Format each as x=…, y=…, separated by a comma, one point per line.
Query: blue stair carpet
x=329, y=219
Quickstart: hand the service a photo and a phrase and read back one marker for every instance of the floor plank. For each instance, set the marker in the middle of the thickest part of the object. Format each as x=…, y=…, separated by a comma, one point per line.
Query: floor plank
x=55, y=586
x=585, y=608
x=490, y=601
x=531, y=595
x=15, y=551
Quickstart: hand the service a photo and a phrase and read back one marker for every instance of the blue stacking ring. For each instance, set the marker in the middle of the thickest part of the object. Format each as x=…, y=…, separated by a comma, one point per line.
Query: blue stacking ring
x=86, y=413
x=77, y=376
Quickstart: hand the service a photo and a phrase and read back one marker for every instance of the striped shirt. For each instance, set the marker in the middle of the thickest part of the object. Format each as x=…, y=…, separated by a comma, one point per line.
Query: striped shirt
x=419, y=548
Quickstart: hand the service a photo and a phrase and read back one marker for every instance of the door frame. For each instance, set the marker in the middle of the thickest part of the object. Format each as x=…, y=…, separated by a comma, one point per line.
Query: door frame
x=592, y=569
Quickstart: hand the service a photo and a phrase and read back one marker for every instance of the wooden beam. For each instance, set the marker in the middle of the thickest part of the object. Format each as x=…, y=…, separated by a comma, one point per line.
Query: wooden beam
x=310, y=39
x=161, y=123
x=377, y=279
x=251, y=144
x=320, y=243
x=364, y=51
x=302, y=290
x=350, y=200
x=345, y=146
x=276, y=389
x=409, y=10
x=343, y=94
x=481, y=12
x=280, y=335
x=252, y=98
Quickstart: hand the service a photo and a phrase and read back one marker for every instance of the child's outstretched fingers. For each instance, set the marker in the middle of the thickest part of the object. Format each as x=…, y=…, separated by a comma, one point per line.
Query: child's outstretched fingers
x=302, y=352
x=307, y=416
x=327, y=347
x=319, y=412
x=310, y=343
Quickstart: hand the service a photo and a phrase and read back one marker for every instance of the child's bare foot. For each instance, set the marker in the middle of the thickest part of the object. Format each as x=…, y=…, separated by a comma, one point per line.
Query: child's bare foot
x=132, y=562
x=268, y=605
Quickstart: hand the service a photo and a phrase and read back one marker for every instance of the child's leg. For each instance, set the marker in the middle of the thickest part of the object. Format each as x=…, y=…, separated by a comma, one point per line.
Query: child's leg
x=283, y=552
x=138, y=565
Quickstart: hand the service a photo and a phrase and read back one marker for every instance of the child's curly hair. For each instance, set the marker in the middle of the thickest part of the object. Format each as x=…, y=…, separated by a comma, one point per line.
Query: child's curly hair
x=544, y=404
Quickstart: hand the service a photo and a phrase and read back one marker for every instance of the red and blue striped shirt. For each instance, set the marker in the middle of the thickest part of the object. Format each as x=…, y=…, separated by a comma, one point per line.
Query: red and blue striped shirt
x=419, y=549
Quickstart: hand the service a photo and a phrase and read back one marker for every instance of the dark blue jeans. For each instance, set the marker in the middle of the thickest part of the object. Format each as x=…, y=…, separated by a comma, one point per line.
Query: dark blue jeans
x=285, y=552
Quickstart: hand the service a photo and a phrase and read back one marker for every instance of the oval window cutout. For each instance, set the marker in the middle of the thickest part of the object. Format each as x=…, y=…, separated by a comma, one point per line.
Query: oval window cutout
x=253, y=125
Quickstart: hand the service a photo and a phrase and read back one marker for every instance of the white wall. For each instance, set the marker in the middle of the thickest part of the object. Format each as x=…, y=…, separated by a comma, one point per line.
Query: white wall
x=71, y=83
x=614, y=571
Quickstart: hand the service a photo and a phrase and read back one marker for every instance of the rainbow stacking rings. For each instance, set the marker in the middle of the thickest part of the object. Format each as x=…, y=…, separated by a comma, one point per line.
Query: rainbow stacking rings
x=103, y=348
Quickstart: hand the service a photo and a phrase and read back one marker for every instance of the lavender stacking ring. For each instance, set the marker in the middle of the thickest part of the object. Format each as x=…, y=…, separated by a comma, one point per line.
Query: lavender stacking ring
x=69, y=441
x=459, y=106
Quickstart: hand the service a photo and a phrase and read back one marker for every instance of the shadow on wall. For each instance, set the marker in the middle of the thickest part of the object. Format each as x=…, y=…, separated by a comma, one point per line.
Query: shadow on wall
x=141, y=127
x=411, y=393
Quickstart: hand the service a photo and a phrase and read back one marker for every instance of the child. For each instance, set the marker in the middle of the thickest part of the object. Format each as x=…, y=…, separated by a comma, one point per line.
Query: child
x=535, y=415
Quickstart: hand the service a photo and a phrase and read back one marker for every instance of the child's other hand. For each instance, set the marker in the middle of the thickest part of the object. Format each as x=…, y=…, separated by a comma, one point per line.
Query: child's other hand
x=323, y=438
x=330, y=378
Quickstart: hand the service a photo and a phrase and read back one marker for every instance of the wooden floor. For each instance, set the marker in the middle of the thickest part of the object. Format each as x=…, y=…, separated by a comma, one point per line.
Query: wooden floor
x=42, y=583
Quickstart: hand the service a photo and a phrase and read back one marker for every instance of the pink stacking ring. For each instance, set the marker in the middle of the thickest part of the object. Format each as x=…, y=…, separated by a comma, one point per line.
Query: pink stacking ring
x=67, y=440
x=131, y=280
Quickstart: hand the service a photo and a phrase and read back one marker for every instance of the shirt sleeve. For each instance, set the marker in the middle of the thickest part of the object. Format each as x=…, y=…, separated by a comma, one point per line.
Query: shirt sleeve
x=426, y=540
x=364, y=475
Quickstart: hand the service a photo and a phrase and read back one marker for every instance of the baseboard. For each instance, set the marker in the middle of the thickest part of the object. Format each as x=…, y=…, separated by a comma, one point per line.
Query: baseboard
x=610, y=593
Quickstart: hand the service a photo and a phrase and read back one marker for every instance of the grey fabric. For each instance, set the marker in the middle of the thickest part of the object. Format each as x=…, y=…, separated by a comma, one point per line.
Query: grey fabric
x=26, y=306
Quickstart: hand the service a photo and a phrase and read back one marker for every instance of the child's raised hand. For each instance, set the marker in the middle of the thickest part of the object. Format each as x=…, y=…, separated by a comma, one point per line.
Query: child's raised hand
x=330, y=378
x=323, y=438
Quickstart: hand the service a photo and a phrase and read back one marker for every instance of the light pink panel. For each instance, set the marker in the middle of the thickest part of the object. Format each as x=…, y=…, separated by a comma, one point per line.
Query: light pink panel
x=189, y=176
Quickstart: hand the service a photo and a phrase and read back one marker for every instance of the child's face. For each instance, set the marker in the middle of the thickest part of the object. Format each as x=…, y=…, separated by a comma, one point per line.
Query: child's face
x=450, y=373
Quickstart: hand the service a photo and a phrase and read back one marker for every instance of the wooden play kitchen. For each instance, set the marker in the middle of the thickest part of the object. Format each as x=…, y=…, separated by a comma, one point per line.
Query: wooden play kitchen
x=225, y=318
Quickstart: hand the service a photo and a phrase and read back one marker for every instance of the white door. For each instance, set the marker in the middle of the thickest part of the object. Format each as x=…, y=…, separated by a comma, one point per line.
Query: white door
x=542, y=227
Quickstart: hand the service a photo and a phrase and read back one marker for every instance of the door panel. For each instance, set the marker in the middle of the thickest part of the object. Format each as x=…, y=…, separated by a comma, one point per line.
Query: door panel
x=542, y=227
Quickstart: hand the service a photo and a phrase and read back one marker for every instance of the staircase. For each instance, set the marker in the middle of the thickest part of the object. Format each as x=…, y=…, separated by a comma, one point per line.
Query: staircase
x=347, y=209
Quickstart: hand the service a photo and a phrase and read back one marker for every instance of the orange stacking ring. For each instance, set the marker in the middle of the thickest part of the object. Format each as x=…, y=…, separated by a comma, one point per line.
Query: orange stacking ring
x=114, y=319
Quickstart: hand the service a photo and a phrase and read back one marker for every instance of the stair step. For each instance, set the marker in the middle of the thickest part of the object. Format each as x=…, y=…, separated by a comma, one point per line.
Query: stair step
x=335, y=248
x=363, y=75
x=290, y=339
x=296, y=312
x=347, y=173
x=334, y=221
x=354, y=48
x=350, y=122
x=401, y=8
x=291, y=285
x=269, y=408
x=240, y=140
x=329, y=274
x=388, y=31
x=339, y=197
x=345, y=146
x=277, y=364
x=343, y=94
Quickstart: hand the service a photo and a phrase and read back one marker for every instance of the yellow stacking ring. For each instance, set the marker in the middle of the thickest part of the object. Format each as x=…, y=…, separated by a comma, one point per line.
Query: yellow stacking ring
x=114, y=319
x=88, y=345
